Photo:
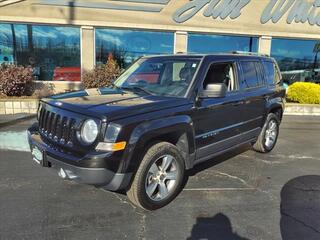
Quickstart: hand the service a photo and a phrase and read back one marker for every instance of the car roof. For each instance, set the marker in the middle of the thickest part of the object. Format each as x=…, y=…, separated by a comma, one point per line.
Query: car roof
x=234, y=55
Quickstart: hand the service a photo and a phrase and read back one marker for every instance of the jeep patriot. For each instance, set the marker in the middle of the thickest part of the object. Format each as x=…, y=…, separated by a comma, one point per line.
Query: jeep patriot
x=161, y=117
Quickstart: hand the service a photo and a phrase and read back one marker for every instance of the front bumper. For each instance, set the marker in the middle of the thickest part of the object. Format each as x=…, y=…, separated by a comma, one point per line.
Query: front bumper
x=101, y=177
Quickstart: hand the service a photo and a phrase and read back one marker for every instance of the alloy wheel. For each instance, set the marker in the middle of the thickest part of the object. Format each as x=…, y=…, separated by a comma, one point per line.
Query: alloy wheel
x=161, y=178
x=271, y=133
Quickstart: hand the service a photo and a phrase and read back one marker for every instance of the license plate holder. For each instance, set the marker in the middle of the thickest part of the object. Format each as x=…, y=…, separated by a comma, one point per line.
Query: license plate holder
x=39, y=156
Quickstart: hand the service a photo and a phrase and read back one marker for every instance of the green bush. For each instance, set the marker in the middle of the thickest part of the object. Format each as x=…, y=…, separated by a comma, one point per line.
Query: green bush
x=15, y=80
x=304, y=92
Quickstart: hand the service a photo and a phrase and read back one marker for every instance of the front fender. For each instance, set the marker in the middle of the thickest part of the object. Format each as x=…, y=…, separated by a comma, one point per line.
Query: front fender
x=145, y=132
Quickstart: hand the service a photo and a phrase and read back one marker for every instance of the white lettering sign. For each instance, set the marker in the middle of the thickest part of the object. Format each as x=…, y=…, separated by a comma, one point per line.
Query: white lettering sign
x=300, y=11
x=213, y=8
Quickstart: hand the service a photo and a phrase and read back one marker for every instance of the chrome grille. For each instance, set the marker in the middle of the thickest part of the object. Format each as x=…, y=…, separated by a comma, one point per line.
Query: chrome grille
x=58, y=128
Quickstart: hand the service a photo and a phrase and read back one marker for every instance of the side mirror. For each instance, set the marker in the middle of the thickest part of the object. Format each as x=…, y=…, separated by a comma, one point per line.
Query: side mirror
x=215, y=90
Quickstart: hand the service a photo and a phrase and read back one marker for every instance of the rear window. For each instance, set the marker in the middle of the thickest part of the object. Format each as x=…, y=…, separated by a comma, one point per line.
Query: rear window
x=272, y=73
x=251, y=76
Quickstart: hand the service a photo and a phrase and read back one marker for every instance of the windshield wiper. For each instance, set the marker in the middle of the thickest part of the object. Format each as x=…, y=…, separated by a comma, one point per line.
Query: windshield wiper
x=115, y=86
x=136, y=88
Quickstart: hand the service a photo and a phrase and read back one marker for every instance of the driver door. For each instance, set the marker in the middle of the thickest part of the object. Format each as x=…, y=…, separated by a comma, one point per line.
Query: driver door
x=218, y=120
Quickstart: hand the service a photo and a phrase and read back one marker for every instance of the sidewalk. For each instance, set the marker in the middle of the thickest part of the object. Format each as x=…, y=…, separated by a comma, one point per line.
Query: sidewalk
x=6, y=120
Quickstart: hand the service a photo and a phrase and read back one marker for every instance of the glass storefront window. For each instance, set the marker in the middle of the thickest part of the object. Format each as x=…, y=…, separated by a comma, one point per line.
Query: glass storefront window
x=53, y=52
x=127, y=45
x=297, y=59
x=200, y=43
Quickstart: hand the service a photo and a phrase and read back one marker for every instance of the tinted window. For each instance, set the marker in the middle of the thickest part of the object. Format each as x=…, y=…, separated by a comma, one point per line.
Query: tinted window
x=272, y=73
x=200, y=43
x=297, y=59
x=53, y=52
x=250, y=75
x=127, y=45
x=221, y=73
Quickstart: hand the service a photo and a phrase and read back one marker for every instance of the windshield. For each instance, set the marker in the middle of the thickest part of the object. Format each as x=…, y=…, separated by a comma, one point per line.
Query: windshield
x=159, y=76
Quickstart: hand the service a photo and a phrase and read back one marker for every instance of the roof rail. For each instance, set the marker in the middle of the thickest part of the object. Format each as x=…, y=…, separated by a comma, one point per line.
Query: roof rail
x=251, y=53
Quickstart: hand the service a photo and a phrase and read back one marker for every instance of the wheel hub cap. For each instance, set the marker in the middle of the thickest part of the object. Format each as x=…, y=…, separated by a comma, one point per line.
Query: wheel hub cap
x=271, y=134
x=161, y=178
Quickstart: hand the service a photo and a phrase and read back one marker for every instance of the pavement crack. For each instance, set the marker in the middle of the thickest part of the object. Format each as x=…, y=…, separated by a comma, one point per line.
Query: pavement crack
x=233, y=177
x=271, y=196
x=124, y=201
x=285, y=158
x=300, y=221
x=142, y=227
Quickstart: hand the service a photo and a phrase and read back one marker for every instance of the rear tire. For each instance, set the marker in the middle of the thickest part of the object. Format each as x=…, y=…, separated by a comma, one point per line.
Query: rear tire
x=269, y=134
x=159, y=177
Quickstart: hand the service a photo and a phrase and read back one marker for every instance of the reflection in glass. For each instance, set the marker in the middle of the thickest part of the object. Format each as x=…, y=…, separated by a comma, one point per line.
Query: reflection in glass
x=297, y=59
x=160, y=76
x=200, y=43
x=127, y=45
x=53, y=52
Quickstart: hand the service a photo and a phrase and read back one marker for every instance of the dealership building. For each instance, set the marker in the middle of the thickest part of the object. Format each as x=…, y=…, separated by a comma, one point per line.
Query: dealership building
x=61, y=39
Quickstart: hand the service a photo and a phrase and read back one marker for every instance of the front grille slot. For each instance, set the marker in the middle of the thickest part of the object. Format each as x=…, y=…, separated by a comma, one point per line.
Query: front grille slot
x=57, y=128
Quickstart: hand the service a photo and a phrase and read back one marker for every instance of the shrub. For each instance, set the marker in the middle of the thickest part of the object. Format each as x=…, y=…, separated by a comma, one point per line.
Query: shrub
x=304, y=92
x=15, y=80
x=102, y=75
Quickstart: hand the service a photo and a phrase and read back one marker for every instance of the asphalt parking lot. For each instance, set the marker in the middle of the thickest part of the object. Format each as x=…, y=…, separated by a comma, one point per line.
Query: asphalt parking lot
x=240, y=195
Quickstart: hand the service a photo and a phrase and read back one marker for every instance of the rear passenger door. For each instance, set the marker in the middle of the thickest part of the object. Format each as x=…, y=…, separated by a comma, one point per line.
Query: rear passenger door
x=254, y=92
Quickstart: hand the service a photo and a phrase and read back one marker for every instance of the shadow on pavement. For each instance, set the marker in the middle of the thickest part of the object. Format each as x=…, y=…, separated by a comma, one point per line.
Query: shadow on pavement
x=300, y=208
x=217, y=227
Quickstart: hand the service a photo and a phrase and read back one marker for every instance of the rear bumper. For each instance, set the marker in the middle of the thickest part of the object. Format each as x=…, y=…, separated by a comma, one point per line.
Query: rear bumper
x=100, y=177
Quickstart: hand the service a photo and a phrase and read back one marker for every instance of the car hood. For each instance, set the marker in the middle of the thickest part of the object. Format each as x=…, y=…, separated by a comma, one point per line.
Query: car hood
x=111, y=103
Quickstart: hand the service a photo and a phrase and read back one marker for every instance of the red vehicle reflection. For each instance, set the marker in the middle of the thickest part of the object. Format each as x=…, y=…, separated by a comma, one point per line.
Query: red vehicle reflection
x=67, y=74
x=148, y=77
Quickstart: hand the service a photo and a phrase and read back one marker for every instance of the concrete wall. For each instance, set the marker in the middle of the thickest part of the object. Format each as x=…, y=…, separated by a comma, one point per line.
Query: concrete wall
x=14, y=106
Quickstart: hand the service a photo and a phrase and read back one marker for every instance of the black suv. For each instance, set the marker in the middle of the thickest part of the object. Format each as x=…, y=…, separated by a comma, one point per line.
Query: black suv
x=161, y=117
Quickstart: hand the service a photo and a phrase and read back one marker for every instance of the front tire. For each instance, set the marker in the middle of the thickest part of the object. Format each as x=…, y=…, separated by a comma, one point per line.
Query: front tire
x=159, y=177
x=269, y=134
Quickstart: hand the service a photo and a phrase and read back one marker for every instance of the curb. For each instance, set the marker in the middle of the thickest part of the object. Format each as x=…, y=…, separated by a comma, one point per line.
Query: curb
x=302, y=109
x=17, y=120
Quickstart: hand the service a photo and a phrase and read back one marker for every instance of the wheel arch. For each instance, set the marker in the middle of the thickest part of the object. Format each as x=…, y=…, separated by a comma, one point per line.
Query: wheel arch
x=275, y=106
x=177, y=130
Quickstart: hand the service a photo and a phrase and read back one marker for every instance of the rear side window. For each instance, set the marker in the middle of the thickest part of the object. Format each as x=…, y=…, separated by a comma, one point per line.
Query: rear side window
x=272, y=74
x=251, y=76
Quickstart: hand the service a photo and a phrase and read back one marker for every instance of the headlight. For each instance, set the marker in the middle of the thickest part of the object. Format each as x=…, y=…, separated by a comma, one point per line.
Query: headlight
x=112, y=132
x=89, y=131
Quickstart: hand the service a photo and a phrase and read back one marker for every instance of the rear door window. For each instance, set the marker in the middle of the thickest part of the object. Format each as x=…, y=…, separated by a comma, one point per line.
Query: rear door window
x=272, y=73
x=251, y=77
